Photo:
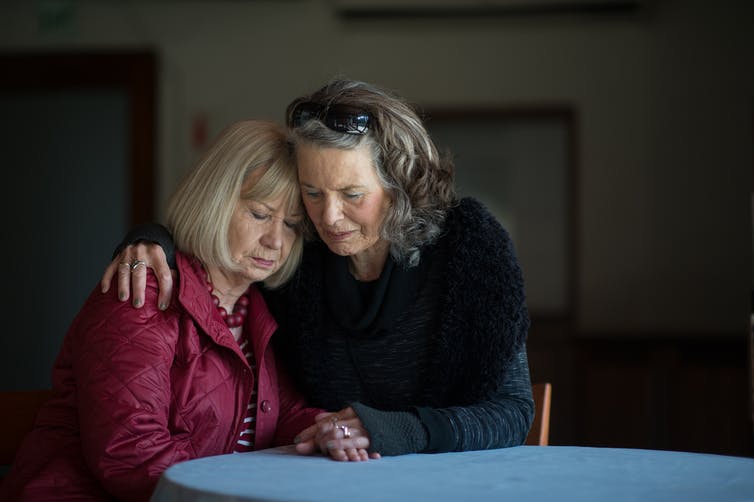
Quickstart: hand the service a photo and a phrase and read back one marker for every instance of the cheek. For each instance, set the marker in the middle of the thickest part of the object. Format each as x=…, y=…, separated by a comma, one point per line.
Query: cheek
x=234, y=240
x=373, y=215
x=241, y=236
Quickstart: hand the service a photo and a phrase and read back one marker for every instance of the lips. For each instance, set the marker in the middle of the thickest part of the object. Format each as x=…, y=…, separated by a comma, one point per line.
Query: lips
x=261, y=262
x=339, y=236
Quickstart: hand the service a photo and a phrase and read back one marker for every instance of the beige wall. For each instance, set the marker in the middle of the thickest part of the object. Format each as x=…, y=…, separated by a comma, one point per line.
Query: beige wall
x=664, y=98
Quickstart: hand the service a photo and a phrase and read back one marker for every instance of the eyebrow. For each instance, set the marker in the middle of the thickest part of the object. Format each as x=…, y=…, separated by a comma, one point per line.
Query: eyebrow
x=339, y=189
x=298, y=214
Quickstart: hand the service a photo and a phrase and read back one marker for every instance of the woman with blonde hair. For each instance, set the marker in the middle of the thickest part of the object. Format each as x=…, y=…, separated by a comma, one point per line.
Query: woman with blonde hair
x=136, y=391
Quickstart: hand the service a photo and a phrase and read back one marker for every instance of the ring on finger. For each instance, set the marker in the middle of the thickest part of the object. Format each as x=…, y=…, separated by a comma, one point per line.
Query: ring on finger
x=136, y=264
x=346, y=430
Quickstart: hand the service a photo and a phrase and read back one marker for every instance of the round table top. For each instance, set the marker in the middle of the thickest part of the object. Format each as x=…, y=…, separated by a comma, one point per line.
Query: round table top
x=529, y=473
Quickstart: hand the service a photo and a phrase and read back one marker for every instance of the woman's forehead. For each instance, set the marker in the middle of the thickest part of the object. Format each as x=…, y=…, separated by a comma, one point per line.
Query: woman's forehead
x=314, y=160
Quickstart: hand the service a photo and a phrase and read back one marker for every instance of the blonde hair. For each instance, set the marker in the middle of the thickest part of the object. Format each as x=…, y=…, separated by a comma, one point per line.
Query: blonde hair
x=200, y=210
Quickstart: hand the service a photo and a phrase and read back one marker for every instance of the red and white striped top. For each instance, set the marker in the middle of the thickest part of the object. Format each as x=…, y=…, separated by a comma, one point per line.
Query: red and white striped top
x=246, y=439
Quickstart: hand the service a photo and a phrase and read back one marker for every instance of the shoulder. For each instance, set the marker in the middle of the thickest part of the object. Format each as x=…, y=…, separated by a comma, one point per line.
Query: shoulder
x=470, y=208
x=471, y=225
x=106, y=310
x=112, y=336
x=470, y=215
x=480, y=256
x=105, y=320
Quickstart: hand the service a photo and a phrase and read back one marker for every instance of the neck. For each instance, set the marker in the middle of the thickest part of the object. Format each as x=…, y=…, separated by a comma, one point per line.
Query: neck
x=368, y=265
x=225, y=287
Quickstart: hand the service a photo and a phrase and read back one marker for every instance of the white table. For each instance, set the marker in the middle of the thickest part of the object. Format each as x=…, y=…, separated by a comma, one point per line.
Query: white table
x=525, y=473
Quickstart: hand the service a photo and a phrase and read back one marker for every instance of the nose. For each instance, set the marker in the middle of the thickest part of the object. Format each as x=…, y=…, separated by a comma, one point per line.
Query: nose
x=331, y=212
x=273, y=235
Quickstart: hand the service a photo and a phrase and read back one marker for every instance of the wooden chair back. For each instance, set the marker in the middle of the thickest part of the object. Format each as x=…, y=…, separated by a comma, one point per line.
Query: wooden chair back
x=539, y=434
x=17, y=418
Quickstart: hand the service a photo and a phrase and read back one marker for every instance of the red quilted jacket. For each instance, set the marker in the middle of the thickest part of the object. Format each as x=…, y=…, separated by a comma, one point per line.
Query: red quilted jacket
x=136, y=391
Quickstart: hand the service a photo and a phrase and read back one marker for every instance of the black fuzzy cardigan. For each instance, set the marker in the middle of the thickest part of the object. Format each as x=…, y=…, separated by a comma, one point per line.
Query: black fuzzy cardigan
x=477, y=356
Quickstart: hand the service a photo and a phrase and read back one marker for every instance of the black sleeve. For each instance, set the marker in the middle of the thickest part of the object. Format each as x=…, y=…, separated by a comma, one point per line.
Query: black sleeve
x=501, y=420
x=150, y=232
x=392, y=432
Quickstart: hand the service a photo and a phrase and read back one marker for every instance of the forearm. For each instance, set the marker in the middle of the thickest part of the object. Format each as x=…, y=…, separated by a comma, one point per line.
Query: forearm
x=502, y=420
x=150, y=232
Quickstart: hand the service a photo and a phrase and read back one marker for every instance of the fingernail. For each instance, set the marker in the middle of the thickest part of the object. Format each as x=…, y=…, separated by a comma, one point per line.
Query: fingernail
x=137, y=302
x=297, y=440
x=121, y=296
x=330, y=445
x=163, y=306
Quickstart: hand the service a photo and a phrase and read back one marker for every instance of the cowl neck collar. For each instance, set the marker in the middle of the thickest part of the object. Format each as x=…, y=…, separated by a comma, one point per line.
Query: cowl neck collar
x=366, y=308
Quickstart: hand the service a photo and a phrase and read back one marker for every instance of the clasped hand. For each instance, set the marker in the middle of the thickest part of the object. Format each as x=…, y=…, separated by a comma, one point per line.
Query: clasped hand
x=340, y=435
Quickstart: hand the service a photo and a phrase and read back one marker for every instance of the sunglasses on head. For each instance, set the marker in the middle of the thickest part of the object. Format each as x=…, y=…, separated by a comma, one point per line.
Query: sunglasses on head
x=341, y=118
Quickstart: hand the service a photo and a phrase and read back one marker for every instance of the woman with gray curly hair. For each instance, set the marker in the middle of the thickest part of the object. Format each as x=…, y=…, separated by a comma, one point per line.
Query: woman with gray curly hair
x=407, y=317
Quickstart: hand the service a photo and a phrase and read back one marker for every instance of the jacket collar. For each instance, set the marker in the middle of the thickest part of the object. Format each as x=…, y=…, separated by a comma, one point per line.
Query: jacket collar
x=197, y=301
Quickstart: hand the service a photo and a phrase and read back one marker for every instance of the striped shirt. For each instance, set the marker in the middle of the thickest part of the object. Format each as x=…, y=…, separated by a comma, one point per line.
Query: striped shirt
x=245, y=441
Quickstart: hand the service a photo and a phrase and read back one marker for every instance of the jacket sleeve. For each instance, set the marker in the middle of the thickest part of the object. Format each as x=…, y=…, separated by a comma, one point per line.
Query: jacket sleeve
x=501, y=420
x=121, y=369
x=295, y=415
x=150, y=232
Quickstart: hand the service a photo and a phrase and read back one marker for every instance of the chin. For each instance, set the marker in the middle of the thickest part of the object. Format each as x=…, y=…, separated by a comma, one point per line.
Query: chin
x=339, y=249
x=255, y=276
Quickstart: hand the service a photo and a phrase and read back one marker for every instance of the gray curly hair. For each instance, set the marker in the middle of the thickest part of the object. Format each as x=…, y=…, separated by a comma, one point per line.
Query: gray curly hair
x=419, y=180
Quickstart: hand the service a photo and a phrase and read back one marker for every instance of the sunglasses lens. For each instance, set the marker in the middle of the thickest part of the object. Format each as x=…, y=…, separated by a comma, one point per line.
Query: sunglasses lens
x=339, y=118
x=347, y=122
x=304, y=113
